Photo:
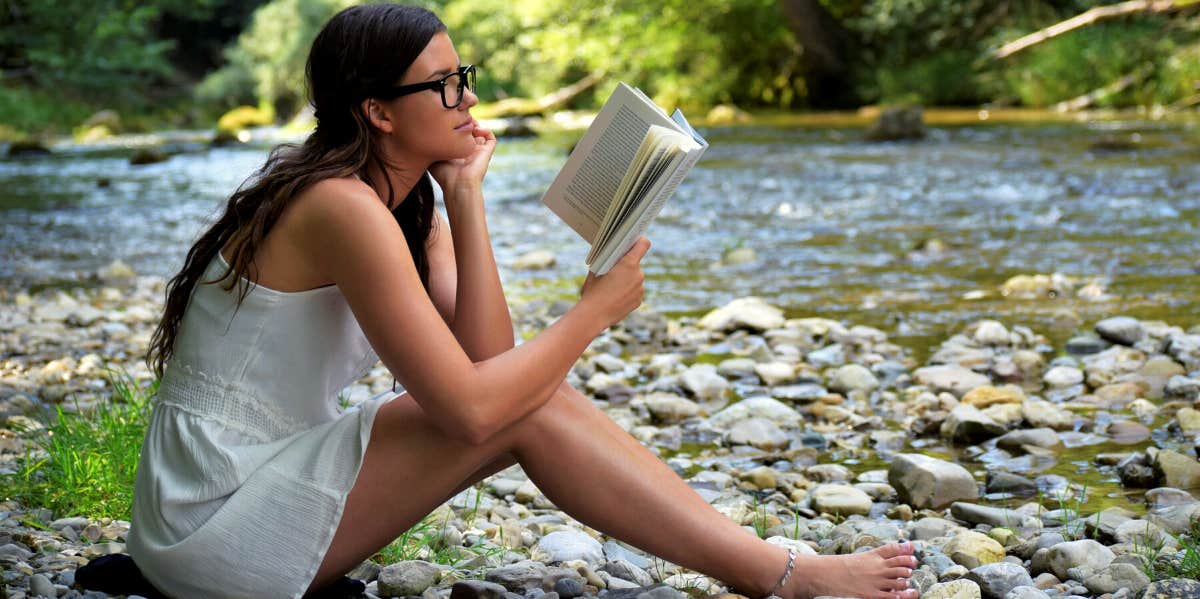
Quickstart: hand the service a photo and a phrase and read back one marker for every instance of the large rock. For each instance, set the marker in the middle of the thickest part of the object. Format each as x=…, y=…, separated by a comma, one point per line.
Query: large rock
x=1073, y=554
x=744, y=313
x=670, y=408
x=758, y=432
x=948, y=377
x=972, y=549
x=1021, y=440
x=1117, y=576
x=1047, y=415
x=756, y=407
x=985, y=514
x=1121, y=329
x=853, y=377
x=568, y=545
x=527, y=575
x=407, y=578
x=925, y=482
x=967, y=424
x=703, y=382
x=996, y=580
x=1177, y=470
x=842, y=500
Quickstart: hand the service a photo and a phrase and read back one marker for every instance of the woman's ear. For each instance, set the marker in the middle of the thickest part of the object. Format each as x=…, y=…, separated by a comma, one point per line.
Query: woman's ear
x=376, y=115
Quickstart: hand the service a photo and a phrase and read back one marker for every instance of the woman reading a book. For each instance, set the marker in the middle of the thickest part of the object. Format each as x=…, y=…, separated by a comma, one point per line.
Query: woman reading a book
x=254, y=482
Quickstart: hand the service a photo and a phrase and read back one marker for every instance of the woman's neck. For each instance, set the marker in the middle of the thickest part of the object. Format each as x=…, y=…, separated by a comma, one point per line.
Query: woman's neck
x=402, y=174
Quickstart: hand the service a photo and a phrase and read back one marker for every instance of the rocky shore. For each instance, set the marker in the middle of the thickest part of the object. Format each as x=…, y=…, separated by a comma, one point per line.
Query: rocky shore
x=1020, y=470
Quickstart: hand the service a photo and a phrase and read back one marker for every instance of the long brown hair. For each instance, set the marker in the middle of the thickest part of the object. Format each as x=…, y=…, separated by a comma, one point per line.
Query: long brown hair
x=360, y=50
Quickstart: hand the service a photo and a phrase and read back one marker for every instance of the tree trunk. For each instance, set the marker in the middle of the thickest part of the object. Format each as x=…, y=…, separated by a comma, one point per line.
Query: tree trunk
x=828, y=55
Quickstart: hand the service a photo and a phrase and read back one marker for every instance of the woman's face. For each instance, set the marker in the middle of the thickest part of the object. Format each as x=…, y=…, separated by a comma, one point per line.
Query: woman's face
x=422, y=125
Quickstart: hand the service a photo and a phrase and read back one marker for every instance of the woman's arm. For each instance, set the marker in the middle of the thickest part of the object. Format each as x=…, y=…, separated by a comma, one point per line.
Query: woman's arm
x=356, y=242
x=482, y=322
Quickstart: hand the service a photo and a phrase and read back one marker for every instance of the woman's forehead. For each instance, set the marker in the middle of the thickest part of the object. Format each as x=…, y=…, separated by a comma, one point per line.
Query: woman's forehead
x=437, y=59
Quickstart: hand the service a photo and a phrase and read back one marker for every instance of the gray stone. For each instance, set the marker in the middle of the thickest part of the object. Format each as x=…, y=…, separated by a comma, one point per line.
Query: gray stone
x=853, y=377
x=996, y=580
x=1073, y=554
x=984, y=514
x=925, y=482
x=1117, y=576
x=703, y=382
x=477, y=589
x=1167, y=496
x=1061, y=377
x=991, y=332
x=615, y=551
x=951, y=378
x=932, y=528
x=758, y=432
x=999, y=481
x=567, y=545
x=750, y=313
x=626, y=571
x=568, y=588
x=775, y=373
x=1177, y=470
x=1173, y=588
x=40, y=586
x=841, y=500
x=1084, y=345
x=526, y=575
x=15, y=550
x=802, y=392
x=407, y=578
x=661, y=592
x=1046, y=414
x=967, y=424
x=1037, y=437
x=1121, y=329
x=955, y=589
x=1026, y=592
x=1182, y=387
x=752, y=407
x=670, y=408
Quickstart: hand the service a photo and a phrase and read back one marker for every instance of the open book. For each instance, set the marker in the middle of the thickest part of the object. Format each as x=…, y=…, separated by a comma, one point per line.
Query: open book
x=620, y=174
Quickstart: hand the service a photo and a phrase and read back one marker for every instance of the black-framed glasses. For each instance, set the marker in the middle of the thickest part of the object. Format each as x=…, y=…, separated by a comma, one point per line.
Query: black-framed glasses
x=452, y=87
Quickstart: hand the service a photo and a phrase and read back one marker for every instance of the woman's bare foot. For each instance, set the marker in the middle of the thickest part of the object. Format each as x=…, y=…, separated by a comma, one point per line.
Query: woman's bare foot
x=881, y=573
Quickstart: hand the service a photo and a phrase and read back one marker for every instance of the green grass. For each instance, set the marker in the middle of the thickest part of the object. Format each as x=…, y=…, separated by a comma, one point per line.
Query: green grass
x=425, y=541
x=1157, y=566
x=91, y=458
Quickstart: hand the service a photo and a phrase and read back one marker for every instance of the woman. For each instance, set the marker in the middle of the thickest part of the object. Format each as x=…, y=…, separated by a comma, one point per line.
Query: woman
x=252, y=481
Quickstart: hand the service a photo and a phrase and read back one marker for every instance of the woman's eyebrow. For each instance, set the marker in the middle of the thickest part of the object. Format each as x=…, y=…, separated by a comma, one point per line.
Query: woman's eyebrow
x=442, y=72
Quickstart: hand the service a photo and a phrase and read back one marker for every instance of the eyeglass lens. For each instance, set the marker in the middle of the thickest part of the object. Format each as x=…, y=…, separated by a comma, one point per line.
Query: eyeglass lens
x=452, y=91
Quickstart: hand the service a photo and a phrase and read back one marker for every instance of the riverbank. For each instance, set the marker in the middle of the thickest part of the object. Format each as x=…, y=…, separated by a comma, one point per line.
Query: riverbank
x=1010, y=459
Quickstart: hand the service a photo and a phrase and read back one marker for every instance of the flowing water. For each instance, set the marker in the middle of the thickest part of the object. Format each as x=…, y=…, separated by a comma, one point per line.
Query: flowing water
x=913, y=237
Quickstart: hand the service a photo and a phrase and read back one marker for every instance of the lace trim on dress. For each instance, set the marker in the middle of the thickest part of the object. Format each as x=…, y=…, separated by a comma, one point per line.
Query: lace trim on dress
x=229, y=404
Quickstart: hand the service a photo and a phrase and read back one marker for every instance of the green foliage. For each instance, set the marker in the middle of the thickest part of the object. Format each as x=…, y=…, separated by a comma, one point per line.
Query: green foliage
x=1089, y=59
x=31, y=109
x=267, y=61
x=91, y=458
x=425, y=540
x=682, y=53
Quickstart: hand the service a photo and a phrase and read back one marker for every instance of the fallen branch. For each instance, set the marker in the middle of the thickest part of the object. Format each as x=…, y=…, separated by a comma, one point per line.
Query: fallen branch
x=1089, y=17
x=542, y=105
x=1115, y=87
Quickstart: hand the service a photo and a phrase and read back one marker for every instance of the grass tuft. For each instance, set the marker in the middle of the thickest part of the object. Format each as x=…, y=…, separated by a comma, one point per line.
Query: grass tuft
x=85, y=462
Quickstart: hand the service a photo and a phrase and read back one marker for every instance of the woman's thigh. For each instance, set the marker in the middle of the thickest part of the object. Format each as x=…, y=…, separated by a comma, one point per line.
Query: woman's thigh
x=409, y=468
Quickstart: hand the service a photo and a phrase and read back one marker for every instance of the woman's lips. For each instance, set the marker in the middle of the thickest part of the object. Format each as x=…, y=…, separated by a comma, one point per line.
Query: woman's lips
x=466, y=126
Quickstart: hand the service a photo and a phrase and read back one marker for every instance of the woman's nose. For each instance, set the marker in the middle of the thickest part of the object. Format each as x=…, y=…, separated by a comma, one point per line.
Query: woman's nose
x=469, y=98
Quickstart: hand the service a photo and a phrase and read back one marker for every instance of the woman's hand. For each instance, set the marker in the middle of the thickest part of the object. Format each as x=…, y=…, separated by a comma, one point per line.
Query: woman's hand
x=619, y=291
x=466, y=174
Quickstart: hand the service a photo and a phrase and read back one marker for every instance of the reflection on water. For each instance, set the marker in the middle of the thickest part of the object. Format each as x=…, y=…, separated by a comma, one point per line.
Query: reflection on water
x=895, y=235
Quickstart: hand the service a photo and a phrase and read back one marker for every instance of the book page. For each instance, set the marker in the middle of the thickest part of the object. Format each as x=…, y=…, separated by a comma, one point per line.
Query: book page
x=649, y=155
x=583, y=190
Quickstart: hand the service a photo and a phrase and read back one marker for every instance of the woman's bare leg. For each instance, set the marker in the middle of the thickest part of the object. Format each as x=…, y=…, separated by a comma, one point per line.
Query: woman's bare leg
x=596, y=472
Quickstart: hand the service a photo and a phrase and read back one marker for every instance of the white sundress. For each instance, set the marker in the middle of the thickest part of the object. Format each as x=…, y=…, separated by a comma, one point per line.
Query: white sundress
x=248, y=458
